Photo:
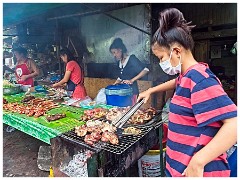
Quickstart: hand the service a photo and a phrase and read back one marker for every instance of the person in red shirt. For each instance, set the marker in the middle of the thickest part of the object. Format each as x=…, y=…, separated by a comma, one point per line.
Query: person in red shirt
x=74, y=75
x=26, y=69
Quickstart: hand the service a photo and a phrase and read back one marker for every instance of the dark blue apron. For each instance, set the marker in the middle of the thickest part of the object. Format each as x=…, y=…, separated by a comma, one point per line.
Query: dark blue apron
x=71, y=85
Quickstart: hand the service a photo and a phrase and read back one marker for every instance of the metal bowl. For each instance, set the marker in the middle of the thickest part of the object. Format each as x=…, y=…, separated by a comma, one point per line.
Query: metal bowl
x=12, y=90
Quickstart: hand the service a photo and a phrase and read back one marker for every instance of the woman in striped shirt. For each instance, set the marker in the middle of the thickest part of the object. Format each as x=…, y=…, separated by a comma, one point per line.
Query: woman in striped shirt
x=202, y=118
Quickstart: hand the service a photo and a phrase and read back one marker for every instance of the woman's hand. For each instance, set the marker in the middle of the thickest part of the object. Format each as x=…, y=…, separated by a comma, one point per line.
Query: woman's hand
x=117, y=82
x=144, y=95
x=194, y=169
x=127, y=81
x=23, y=78
x=55, y=85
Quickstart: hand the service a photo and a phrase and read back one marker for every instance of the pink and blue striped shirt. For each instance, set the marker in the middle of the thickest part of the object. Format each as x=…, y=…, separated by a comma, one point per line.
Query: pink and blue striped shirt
x=196, y=111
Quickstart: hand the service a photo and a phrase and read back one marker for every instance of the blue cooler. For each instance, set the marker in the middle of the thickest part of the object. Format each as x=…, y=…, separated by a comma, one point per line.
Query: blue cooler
x=119, y=95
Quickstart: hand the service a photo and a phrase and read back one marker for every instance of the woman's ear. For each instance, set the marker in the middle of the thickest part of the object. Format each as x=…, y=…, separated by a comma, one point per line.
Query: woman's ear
x=177, y=50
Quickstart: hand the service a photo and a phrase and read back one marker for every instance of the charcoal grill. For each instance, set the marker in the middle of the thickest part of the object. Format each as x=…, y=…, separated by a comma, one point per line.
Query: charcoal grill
x=107, y=160
x=125, y=141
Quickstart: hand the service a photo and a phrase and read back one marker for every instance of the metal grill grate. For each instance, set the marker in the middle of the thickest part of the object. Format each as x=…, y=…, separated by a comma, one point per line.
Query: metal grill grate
x=125, y=141
x=148, y=124
x=72, y=137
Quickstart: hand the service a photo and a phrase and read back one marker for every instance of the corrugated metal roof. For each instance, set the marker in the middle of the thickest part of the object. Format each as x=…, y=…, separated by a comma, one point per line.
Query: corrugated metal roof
x=16, y=13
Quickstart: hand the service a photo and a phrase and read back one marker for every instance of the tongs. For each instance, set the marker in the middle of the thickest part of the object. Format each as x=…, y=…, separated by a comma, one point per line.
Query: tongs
x=119, y=123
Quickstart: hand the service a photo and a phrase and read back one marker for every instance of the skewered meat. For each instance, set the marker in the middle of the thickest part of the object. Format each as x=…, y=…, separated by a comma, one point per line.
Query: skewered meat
x=39, y=113
x=55, y=117
x=31, y=113
x=35, y=101
x=37, y=106
x=27, y=98
x=5, y=101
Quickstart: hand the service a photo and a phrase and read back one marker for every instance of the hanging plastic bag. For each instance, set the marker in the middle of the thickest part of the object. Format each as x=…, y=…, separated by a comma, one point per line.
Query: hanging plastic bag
x=234, y=49
x=101, y=97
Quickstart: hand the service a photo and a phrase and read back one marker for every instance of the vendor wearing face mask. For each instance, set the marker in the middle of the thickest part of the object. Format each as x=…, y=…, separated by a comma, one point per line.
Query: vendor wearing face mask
x=130, y=68
x=201, y=114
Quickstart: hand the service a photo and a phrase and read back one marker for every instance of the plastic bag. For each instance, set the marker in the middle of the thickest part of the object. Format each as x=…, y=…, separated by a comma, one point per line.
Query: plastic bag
x=87, y=103
x=101, y=97
x=165, y=111
x=234, y=49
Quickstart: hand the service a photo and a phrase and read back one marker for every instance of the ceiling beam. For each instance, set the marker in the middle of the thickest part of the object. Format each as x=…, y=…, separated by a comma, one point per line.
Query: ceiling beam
x=215, y=34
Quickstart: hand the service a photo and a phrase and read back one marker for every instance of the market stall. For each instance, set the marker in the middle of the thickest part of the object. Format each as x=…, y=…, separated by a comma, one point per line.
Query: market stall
x=83, y=136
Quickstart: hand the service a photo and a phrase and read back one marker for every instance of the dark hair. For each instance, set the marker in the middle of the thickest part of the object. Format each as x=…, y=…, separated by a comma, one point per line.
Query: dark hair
x=70, y=56
x=118, y=44
x=68, y=53
x=21, y=50
x=173, y=28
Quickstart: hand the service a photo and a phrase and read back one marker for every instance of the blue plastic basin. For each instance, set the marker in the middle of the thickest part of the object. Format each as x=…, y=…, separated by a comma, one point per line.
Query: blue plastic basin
x=119, y=95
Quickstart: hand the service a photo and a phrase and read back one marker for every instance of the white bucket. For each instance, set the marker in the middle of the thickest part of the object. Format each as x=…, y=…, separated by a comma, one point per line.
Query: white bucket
x=149, y=164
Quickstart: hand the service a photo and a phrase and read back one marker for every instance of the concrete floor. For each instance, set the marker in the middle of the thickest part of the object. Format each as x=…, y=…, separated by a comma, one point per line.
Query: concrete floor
x=20, y=153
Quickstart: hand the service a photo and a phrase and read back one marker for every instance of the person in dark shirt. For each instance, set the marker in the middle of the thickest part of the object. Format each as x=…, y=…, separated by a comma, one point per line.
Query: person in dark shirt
x=130, y=67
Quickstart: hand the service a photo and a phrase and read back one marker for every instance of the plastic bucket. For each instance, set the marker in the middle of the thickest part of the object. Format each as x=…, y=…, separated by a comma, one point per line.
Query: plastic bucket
x=119, y=95
x=232, y=161
x=149, y=164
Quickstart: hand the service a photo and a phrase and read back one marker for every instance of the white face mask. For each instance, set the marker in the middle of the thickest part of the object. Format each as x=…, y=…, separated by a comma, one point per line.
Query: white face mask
x=168, y=68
